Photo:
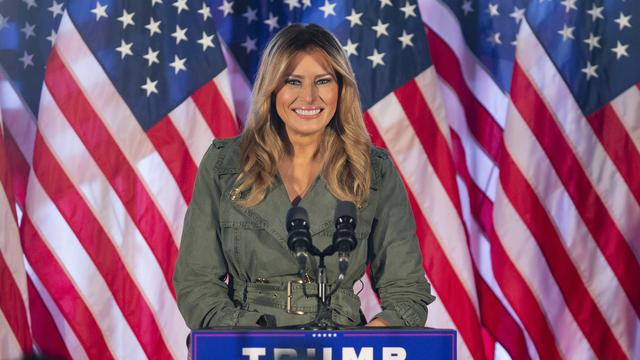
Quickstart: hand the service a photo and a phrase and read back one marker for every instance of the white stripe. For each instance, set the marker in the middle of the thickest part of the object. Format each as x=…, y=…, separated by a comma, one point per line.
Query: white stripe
x=122, y=126
x=595, y=272
x=10, y=248
x=222, y=82
x=440, y=19
x=192, y=128
x=482, y=170
x=432, y=198
x=481, y=252
x=439, y=318
x=627, y=107
x=87, y=281
x=18, y=120
x=114, y=220
x=240, y=88
x=602, y=173
x=527, y=258
x=9, y=345
x=66, y=331
x=428, y=84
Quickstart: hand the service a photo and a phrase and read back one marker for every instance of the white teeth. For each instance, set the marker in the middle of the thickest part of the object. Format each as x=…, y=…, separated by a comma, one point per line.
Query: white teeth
x=307, y=112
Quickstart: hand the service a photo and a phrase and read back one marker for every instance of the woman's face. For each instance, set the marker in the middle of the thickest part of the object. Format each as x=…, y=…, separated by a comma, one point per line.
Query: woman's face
x=308, y=99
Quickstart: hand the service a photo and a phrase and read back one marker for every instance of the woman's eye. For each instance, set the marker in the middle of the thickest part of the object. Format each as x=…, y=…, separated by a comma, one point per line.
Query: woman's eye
x=292, y=82
x=323, y=81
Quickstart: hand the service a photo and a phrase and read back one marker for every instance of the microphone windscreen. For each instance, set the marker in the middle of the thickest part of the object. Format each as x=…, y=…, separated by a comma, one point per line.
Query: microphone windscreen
x=346, y=208
x=297, y=213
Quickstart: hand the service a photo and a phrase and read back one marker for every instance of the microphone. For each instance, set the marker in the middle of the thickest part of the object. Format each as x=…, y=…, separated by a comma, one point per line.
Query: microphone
x=299, y=239
x=344, y=238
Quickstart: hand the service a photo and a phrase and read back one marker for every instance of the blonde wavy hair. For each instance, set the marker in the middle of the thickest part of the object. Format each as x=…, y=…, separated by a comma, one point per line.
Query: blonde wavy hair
x=346, y=144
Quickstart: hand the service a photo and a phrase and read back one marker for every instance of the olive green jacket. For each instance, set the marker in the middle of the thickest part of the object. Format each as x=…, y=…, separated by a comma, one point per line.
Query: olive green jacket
x=250, y=244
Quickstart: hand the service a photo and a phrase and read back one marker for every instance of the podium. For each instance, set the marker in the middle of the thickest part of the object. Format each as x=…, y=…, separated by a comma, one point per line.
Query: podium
x=359, y=344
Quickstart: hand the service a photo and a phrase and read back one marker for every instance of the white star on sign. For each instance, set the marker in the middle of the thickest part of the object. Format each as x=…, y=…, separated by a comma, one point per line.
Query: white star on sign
x=590, y=70
x=620, y=50
x=493, y=9
x=26, y=59
x=376, y=58
x=179, y=34
x=205, y=12
x=405, y=39
x=150, y=87
x=384, y=3
x=327, y=8
x=126, y=19
x=180, y=5
x=408, y=10
x=351, y=48
x=569, y=5
x=28, y=30
x=596, y=12
x=56, y=8
x=466, y=7
x=178, y=64
x=623, y=21
x=272, y=21
x=226, y=8
x=592, y=41
x=566, y=32
x=153, y=27
x=292, y=4
x=354, y=18
x=52, y=37
x=100, y=11
x=381, y=29
x=250, y=14
x=206, y=41
x=124, y=49
x=249, y=44
x=517, y=14
x=152, y=57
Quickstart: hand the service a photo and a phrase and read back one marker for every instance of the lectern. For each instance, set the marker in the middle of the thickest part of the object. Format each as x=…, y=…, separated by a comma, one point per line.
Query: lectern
x=360, y=344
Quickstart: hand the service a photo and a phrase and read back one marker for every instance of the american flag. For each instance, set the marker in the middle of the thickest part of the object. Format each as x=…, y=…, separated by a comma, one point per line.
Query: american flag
x=529, y=229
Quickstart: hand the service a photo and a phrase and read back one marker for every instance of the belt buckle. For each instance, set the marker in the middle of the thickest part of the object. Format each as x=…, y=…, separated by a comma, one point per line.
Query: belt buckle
x=290, y=296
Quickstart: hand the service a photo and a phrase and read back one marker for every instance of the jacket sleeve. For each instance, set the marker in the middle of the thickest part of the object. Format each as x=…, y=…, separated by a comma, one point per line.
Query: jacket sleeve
x=396, y=263
x=201, y=292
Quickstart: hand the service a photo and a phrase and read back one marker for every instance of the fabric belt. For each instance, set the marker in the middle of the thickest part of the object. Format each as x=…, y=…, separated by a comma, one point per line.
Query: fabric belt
x=293, y=296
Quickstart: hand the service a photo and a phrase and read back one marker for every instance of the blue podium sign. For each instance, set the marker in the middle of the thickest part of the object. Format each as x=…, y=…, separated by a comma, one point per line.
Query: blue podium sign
x=365, y=344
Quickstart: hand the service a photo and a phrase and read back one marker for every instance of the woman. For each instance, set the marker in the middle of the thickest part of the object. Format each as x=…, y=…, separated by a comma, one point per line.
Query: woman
x=305, y=143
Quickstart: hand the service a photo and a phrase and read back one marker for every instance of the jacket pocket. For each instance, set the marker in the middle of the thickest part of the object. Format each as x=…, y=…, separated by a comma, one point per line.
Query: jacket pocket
x=345, y=306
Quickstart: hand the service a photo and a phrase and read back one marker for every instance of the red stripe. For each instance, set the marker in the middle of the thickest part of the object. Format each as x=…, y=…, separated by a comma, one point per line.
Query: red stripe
x=441, y=273
x=618, y=143
x=433, y=142
x=481, y=124
x=5, y=177
x=100, y=248
x=19, y=168
x=113, y=163
x=594, y=213
x=46, y=335
x=494, y=315
x=577, y=297
x=13, y=306
x=175, y=154
x=63, y=292
x=215, y=111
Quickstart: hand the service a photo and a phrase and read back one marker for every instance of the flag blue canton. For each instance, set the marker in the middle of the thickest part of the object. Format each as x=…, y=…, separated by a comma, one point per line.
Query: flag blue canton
x=156, y=53
x=593, y=44
x=490, y=28
x=28, y=29
x=384, y=39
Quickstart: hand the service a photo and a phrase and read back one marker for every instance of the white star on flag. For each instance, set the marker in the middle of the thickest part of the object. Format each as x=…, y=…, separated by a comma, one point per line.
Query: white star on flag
x=205, y=12
x=351, y=48
x=249, y=44
x=153, y=27
x=151, y=57
x=180, y=34
x=181, y=5
x=566, y=32
x=226, y=8
x=26, y=59
x=206, y=41
x=405, y=39
x=354, y=18
x=126, y=19
x=272, y=22
x=56, y=8
x=124, y=49
x=590, y=70
x=620, y=50
x=100, y=11
x=150, y=87
x=408, y=10
x=376, y=58
x=328, y=8
x=380, y=29
x=178, y=64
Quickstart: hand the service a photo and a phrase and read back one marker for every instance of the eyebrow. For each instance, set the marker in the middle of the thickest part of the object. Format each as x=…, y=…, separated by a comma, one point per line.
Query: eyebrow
x=317, y=76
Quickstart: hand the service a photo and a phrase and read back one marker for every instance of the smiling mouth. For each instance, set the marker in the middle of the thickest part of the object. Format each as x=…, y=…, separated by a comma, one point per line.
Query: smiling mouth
x=305, y=112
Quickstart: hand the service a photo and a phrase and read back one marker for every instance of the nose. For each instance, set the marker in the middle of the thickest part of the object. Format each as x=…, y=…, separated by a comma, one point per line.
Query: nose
x=309, y=93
